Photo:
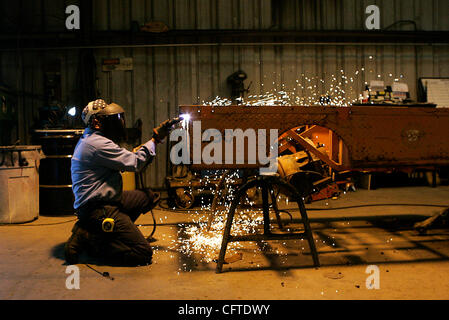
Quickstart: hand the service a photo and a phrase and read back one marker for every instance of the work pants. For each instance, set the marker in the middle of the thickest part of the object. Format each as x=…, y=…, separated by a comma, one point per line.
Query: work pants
x=125, y=245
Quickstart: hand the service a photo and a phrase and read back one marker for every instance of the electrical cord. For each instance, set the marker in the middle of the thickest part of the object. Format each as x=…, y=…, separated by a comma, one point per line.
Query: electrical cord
x=27, y=224
x=142, y=185
x=381, y=205
x=403, y=22
x=285, y=211
x=327, y=209
x=35, y=225
x=104, y=274
x=166, y=208
x=154, y=226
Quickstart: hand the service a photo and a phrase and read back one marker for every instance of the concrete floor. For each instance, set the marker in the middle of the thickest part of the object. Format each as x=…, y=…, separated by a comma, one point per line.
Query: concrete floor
x=411, y=266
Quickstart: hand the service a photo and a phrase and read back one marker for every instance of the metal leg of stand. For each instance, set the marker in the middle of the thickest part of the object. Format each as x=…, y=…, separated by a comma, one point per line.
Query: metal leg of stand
x=308, y=233
x=275, y=208
x=265, y=183
x=218, y=189
x=226, y=234
x=266, y=210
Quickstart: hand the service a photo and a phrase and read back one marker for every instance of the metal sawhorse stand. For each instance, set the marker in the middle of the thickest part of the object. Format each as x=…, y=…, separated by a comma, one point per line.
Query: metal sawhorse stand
x=266, y=183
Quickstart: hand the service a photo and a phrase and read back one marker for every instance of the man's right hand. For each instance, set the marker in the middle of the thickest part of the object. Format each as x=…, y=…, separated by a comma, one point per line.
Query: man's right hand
x=163, y=130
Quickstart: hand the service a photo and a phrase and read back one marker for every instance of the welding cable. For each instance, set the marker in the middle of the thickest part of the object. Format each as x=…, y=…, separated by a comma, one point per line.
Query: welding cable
x=154, y=225
x=380, y=205
x=285, y=211
x=208, y=210
x=142, y=185
x=166, y=208
x=191, y=210
x=403, y=22
x=324, y=209
x=25, y=224
x=104, y=274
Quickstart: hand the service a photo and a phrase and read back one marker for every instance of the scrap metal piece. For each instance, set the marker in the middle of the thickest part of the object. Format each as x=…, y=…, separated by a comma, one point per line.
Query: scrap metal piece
x=423, y=226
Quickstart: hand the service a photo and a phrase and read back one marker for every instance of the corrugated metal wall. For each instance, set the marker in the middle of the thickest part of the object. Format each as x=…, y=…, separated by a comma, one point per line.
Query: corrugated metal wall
x=49, y=15
x=259, y=14
x=166, y=77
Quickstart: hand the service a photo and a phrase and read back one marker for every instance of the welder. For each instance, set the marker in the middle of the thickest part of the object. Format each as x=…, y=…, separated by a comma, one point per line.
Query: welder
x=106, y=214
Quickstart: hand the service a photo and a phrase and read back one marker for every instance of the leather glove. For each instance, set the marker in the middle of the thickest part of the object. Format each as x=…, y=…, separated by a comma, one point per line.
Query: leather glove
x=163, y=130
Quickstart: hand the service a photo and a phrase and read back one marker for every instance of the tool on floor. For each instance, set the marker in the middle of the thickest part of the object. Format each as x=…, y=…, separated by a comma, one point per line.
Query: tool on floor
x=104, y=274
x=423, y=226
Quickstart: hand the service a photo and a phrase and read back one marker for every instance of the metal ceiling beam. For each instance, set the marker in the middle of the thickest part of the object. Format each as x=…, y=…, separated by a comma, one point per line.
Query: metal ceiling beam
x=111, y=39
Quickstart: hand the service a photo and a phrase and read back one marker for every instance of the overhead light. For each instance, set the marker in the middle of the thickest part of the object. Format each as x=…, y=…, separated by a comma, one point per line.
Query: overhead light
x=72, y=111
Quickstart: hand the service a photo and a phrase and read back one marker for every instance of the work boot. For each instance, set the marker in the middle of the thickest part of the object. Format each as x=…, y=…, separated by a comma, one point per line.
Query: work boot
x=76, y=244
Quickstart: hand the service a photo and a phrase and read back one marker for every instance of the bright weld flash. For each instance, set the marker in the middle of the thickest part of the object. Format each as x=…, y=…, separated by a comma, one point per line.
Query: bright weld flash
x=185, y=119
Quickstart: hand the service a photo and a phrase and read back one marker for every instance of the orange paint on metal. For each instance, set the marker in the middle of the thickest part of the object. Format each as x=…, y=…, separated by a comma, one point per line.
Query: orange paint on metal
x=375, y=137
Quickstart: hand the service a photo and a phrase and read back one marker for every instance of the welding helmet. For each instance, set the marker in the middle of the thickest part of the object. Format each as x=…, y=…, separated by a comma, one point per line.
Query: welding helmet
x=110, y=116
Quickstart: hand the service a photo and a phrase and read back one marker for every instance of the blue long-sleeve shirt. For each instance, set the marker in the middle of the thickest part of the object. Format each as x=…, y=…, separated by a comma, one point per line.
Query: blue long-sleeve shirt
x=96, y=165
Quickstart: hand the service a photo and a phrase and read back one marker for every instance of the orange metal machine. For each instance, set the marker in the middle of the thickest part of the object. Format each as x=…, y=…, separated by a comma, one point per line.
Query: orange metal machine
x=375, y=137
x=361, y=138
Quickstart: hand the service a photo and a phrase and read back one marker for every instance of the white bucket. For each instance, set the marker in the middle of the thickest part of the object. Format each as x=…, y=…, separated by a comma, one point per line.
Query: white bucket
x=19, y=183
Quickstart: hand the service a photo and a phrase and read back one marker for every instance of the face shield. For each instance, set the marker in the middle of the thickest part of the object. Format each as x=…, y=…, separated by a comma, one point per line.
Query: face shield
x=113, y=126
x=112, y=120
